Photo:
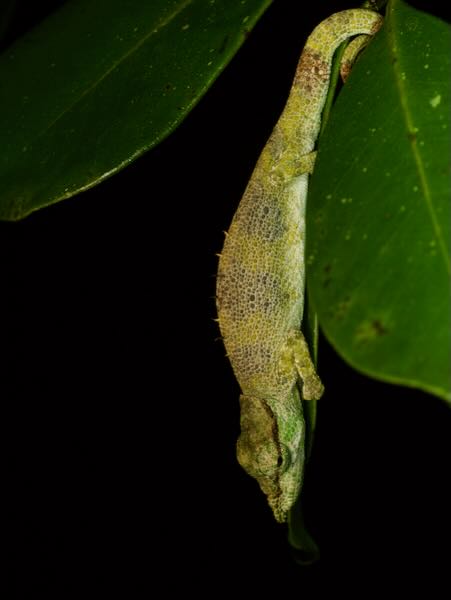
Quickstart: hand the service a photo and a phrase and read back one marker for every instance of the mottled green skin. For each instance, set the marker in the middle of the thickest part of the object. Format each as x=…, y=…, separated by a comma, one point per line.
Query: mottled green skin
x=260, y=287
x=351, y=53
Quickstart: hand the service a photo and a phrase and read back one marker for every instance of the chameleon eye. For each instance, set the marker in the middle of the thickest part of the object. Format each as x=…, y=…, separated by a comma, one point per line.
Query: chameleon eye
x=284, y=460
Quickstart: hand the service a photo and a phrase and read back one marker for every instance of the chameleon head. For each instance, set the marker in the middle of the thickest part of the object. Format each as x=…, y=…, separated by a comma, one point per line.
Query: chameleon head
x=270, y=448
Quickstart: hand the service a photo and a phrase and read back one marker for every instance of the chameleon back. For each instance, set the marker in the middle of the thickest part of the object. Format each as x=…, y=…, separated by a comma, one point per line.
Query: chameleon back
x=260, y=285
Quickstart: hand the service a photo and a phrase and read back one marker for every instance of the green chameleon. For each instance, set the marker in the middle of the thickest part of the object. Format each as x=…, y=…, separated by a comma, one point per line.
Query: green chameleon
x=261, y=276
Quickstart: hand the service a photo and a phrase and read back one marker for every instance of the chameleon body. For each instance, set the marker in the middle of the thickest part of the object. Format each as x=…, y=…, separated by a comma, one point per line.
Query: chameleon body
x=261, y=281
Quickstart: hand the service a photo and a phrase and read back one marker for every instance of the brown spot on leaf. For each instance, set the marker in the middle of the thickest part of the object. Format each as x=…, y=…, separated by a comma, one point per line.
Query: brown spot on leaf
x=371, y=330
x=379, y=329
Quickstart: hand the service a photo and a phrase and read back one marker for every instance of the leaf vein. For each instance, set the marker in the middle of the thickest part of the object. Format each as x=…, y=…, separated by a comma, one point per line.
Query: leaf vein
x=170, y=17
x=418, y=159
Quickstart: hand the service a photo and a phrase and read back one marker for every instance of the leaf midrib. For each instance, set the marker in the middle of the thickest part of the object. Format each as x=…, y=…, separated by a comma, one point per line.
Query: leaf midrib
x=170, y=17
x=411, y=129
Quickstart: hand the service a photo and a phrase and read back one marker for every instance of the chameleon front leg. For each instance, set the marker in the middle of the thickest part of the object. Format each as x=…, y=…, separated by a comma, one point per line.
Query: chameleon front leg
x=312, y=388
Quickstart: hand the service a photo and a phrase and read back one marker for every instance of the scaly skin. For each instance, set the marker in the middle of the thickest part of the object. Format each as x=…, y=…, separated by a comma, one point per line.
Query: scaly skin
x=351, y=54
x=261, y=277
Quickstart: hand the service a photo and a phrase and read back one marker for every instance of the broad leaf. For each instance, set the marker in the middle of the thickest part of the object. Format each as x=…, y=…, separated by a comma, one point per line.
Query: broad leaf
x=379, y=209
x=99, y=83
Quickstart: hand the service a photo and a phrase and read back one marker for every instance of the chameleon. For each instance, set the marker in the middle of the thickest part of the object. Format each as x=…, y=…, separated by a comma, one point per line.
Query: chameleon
x=261, y=277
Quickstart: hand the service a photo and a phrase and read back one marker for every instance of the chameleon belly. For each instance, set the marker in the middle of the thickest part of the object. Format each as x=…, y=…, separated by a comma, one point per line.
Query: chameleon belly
x=261, y=277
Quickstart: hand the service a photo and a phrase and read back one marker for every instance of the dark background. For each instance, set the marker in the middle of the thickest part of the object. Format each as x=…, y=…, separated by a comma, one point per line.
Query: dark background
x=123, y=411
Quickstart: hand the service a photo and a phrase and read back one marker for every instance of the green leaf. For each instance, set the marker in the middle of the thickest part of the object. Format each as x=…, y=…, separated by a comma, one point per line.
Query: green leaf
x=99, y=83
x=379, y=239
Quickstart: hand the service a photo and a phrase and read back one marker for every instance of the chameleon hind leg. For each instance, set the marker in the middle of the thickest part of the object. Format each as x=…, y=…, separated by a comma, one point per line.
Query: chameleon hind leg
x=312, y=388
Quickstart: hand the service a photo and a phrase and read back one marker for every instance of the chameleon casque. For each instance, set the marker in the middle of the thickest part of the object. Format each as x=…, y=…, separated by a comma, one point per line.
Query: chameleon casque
x=261, y=277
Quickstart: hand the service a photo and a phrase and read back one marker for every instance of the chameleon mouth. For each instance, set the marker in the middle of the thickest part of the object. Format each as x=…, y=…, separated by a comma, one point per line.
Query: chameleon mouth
x=280, y=514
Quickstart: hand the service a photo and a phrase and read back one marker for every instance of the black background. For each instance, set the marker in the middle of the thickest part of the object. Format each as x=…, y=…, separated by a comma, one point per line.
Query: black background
x=124, y=410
